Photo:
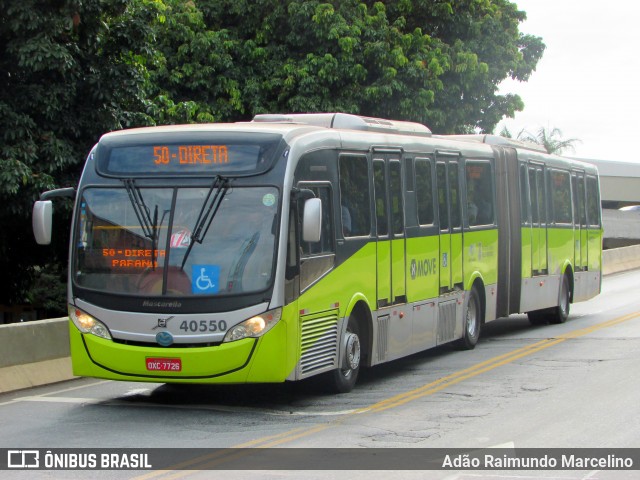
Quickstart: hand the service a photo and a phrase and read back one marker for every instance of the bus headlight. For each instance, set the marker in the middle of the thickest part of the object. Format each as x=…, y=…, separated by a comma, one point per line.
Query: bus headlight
x=87, y=324
x=254, y=327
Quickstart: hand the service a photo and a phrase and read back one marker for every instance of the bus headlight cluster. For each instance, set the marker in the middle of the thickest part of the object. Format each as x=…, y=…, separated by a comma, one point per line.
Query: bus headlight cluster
x=254, y=327
x=87, y=324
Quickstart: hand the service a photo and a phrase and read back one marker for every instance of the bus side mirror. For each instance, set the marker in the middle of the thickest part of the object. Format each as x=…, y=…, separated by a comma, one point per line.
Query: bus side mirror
x=41, y=221
x=312, y=220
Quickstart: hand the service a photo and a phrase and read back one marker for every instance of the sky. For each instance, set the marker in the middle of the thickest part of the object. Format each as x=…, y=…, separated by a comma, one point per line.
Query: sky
x=587, y=83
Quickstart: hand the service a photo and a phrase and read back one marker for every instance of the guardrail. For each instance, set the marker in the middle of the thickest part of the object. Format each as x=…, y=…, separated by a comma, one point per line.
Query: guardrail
x=37, y=353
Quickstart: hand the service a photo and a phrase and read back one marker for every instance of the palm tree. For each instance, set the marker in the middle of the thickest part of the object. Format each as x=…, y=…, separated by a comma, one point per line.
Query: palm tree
x=550, y=139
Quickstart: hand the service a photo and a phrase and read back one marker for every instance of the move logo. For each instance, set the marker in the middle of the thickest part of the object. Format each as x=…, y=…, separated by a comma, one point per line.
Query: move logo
x=423, y=268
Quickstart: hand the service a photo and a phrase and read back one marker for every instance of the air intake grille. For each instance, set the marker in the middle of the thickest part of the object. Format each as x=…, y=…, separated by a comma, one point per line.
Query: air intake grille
x=319, y=342
x=446, y=321
x=383, y=336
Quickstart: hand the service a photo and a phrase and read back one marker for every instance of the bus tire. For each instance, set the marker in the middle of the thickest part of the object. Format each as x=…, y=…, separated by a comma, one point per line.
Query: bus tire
x=472, y=322
x=343, y=379
x=560, y=313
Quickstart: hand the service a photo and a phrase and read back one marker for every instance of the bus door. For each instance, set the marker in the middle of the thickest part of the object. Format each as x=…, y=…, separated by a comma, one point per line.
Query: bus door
x=579, y=220
x=538, y=220
x=391, y=282
x=383, y=241
x=450, y=214
x=398, y=242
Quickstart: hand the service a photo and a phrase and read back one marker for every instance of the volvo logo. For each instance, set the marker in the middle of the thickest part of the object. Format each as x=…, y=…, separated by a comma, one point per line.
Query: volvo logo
x=164, y=339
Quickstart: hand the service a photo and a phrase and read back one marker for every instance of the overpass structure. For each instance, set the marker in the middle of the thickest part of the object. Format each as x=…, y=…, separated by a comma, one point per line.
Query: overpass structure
x=619, y=185
x=619, y=182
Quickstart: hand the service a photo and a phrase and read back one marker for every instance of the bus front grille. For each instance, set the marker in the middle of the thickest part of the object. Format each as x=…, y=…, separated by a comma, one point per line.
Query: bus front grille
x=319, y=342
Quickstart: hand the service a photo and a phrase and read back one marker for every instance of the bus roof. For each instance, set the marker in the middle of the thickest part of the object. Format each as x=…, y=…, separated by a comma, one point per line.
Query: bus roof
x=496, y=140
x=293, y=125
x=345, y=121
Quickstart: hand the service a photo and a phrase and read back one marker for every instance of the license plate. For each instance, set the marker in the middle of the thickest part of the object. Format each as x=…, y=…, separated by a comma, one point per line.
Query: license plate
x=164, y=364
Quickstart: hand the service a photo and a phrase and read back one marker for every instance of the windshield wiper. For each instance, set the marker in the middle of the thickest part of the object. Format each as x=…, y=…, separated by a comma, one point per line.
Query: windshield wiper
x=210, y=207
x=148, y=224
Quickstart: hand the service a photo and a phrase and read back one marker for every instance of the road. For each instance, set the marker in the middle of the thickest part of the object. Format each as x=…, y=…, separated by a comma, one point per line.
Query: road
x=570, y=385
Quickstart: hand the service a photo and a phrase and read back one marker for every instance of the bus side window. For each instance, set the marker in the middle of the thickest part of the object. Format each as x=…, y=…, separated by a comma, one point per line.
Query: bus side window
x=441, y=182
x=525, y=200
x=424, y=191
x=354, y=196
x=535, y=195
x=577, y=185
x=480, y=209
x=593, y=202
x=380, y=188
x=454, y=196
x=397, y=209
x=561, y=196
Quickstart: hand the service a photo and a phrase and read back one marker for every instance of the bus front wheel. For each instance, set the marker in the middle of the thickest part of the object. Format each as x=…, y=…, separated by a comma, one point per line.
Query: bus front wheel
x=343, y=379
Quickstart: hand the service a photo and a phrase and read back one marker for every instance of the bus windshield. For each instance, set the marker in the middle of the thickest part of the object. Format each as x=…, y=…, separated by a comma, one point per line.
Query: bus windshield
x=141, y=241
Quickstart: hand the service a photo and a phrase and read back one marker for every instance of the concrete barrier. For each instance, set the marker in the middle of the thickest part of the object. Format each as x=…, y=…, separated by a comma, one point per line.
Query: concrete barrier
x=620, y=259
x=34, y=353
x=37, y=353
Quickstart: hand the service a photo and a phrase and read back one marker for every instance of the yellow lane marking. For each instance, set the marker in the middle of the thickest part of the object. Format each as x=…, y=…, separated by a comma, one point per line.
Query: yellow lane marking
x=486, y=366
x=214, y=459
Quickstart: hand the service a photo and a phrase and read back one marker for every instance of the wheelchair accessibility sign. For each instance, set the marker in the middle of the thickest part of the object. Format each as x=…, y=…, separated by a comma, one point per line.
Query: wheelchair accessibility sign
x=205, y=279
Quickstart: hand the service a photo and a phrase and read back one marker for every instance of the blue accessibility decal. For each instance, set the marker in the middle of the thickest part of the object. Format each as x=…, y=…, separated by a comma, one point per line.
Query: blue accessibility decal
x=205, y=279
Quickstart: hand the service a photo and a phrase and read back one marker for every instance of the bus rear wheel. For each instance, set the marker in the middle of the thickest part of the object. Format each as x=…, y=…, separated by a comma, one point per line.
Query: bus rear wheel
x=472, y=322
x=343, y=379
x=560, y=313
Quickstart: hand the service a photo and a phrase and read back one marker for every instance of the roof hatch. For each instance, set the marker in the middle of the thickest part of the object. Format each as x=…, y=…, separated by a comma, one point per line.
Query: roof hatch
x=346, y=121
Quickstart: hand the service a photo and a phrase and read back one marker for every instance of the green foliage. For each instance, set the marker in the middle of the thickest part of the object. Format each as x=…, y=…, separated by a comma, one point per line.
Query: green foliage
x=68, y=74
x=49, y=290
x=550, y=139
x=438, y=63
x=71, y=70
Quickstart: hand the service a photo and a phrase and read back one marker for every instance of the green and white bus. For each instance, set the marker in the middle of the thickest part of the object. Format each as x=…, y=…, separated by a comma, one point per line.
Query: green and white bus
x=313, y=244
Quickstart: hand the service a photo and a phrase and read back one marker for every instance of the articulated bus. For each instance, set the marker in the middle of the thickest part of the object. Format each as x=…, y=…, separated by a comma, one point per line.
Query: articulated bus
x=314, y=244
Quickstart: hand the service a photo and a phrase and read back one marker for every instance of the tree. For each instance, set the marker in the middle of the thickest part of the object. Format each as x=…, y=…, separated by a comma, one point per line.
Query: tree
x=191, y=70
x=437, y=63
x=68, y=74
x=550, y=139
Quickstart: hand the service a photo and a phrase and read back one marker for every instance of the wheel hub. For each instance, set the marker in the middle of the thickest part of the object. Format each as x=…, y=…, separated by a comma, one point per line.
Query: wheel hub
x=352, y=357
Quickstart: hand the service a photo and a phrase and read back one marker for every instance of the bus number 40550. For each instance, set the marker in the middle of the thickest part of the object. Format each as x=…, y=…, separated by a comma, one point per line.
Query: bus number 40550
x=204, y=326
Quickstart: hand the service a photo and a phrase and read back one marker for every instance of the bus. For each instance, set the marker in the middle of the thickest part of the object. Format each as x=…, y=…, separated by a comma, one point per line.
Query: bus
x=304, y=245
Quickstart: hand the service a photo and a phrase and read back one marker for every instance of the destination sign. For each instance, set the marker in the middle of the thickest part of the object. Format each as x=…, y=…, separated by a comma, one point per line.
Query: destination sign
x=190, y=154
x=135, y=258
x=180, y=154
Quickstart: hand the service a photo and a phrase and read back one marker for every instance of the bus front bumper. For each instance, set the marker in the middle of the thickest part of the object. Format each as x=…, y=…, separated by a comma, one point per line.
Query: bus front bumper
x=261, y=359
